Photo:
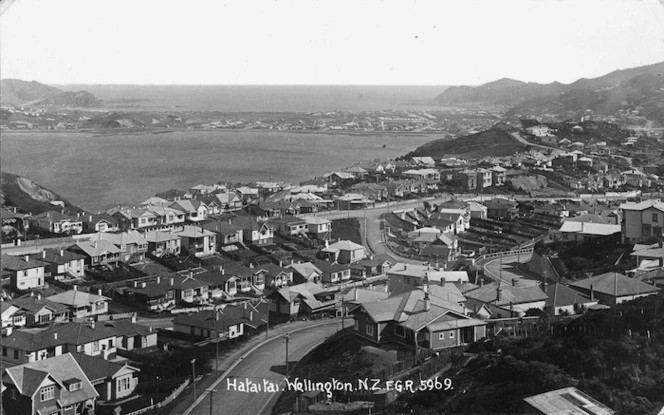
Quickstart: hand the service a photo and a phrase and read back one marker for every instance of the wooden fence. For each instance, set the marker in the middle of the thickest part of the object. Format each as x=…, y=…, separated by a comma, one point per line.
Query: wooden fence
x=166, y=400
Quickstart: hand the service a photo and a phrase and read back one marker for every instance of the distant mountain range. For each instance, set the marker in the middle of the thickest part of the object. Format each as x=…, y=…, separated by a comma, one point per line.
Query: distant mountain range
x=639, y=88
x=21, y=93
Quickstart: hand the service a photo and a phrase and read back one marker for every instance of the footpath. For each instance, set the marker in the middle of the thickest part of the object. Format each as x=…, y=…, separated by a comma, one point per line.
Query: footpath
x=228, y=361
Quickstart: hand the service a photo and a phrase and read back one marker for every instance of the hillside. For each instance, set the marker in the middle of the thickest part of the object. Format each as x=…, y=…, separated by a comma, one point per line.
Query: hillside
x=636, y=88
x=486, y=143
x=29, y=197
x=21, y=93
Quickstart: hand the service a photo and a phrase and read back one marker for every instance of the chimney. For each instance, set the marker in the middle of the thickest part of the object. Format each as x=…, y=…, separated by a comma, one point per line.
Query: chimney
x=427, y=302
x=32, y=293
x=251, y=265
x=158, y=280
x=465, y=310
x=95, y=244
x=135, y=284
x=511, y=309
x=38, y=296
x=229, y=221
x=545, y=282
x=99, y=292
x=62, y=252
x=133, y=318
x=150, y=328
x=92, y=324
x=251, y=316
x=499, y=293
x=75, y=287
x=592, y=293
x=26, y=258
x=55, y=335
x=442, y=281
x=90, y=219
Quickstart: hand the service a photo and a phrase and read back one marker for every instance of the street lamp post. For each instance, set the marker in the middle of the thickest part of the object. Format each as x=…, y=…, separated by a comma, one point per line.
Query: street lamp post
x=211, y=392
x=287, y=336
x=193, y=375
x=218, y=335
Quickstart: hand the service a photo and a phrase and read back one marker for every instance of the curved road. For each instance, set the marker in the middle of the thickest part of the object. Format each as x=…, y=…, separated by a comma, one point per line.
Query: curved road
x=265, y=364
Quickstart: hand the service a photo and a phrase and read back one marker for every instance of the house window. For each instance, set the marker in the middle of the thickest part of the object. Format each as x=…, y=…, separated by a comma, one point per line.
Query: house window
x=655, y=218
x=100, y=305
x=370, y=329
x=399, y=331
x=441, y=336
x=74, y=386
x=47, y=393
x=4, y=351
x=15, y=354
x=451, y=335
x=357, y=325
x=124, y=384
x=95, y=346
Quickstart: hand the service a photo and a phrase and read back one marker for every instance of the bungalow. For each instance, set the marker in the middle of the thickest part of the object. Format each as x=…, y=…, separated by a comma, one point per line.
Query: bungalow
x=136, y=218
x=566, y=301
x=166, y=216
x=354, y=201
x=343, y=252
x=276, y=275
x=196, y=240
x=102, y=222
x=423, y=161
x=333, y=273
x=97, y=253
x=422, y=174
x=580, y=231
x=250, y=279
x=52, y=386
x=412, y=274
x=222, y=202
x=155, y=295
x=417, y=318
x=289, y=225
x=24, y=273
x=336, y=179
x=56, y=222
x=12, y=316
x=220, y=284
x=80, y=303
x=132, y=244
x=357, y=172
x=38, y=310
x=253, y=232
x=131, y=335
x=375, y=265
x=227, y=234
x=301, y=299
x=61, y=263
x=649, y=257
x=112, y=380
x=502, y=209
x=163, y=243
x=227, y=322
x=318, y=228
x=613, y=288
x=194, y=210
x=518, y=296
x=306, y=272
x=447, y=222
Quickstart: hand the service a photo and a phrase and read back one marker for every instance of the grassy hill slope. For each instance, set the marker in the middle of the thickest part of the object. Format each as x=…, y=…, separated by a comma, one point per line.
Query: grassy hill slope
x=486, y=143
x=29, y=197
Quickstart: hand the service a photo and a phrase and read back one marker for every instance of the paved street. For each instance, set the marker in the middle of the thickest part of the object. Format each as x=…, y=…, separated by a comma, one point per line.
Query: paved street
x=265, y=363
x=508, y=263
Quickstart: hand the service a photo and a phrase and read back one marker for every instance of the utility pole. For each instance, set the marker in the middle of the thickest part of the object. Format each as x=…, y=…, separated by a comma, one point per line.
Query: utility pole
x=287, y=339
x=211, y=392
x=218, y=337
x=193, y=375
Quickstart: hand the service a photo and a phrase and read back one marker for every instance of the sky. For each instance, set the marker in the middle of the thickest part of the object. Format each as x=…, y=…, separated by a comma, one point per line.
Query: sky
x=329, y=42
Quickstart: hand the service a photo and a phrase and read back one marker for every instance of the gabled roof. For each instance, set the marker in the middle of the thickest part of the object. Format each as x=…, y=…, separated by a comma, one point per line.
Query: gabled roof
x=57, y=256
x=192, y=232
x=222, y=227
x=187, y=205
x=648, y=251
x=584, y=228
x=28, y=377
x=100, y=217
x=155, y=201
x=305, y=269
x=97, y=368
x=329, y=267
x=646, y=204
x=97, y=248
x=247, y=314
x=615, y=285
x=54, y=216
x=33, y=304
x=160, y=236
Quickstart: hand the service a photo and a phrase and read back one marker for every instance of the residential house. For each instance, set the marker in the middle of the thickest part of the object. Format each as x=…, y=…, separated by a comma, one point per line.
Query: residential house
x=38, y=310
x=60, y=263
x=498, y=175
x=101, y=253
x=130, y=335
x=343, y=252
x=649, y=257
x=502, y=209
x=613, y=288
x=165, y=217
x=420, y=318
x=154, y=295
x=357, y=172
x=642, y=221
x=318, y=228
x=306, y=272
x=412, y=274
x=250, y=279
x=375, y=265
x=422, y=174
x=82, y=304
x=194, y=210
x=102, y=222
x=253, y=232
x=290, y=225
x=448, y=222
x=581, y=231
x=113, y=381
x=163, y=243
x=129, y=219
x=302, y=299
x=24, y=272
x=517, y=297
x=565, y=301
x=12, y=317
x=277, y=276
x=132, y=244
x=196, y=240
x=227, y=234
x=477, y=209
x=423, y=161
x=52, y=386
x=484, y=178
x=333, y=272
x=226, y=323
x=353, y=201
x=444, y=247
x=222, y=202
x=247, y=194
x=336, y=179
x=56, y=222
x=448, y=213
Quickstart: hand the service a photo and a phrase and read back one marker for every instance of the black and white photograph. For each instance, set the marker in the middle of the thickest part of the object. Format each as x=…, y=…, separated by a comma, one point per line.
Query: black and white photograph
x=332, y=207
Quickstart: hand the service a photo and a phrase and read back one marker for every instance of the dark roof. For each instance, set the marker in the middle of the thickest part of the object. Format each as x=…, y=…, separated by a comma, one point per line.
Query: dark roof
x=57, y=256
x=248, y=314
x=34, y=304
x=97, y=368
x=561, y=295
x=18, y=263
x=327, y=266
x=509, y=294
x=614, y=284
